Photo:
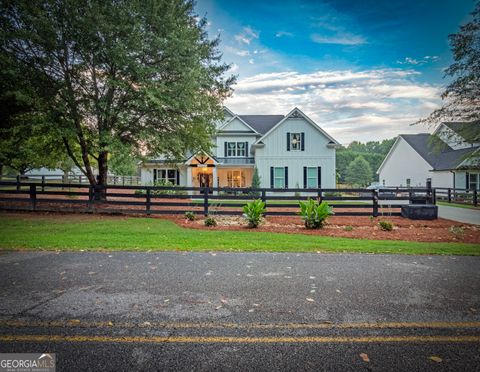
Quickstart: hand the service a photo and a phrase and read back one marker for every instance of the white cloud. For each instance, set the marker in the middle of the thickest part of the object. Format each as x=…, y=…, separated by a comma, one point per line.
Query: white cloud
x=246, y=36
x=362, y=105
x=283, y=33
x=419, y=62
x=251, y=61
x=238, y=52
x=234, y=67
x=340, y=38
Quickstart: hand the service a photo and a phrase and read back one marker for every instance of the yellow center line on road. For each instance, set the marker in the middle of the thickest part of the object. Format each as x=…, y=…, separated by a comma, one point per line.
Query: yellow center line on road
x=220, y=339
x=76, y=323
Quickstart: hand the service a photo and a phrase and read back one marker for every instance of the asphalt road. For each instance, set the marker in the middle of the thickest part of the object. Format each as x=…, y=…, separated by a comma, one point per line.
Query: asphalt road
x=459, y=214
x=125, y=311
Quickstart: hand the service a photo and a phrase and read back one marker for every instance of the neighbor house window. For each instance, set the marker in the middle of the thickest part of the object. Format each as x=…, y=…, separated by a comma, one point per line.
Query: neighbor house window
x=279, y=177
x=473, y=181
x=409, y=181
x=165, y=175
x=312, y=177
x=295, y=141
x=233, y=149
x=235, y=178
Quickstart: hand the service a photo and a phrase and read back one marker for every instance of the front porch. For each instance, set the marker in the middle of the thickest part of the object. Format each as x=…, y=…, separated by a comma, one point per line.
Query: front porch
x=205, y=171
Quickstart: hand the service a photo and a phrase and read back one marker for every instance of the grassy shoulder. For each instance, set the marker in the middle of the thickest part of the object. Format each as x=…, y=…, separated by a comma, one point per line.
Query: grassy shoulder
x=457, y=205
x=141, y=234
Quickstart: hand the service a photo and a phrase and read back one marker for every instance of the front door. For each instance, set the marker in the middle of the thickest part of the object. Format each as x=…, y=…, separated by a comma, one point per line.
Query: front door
x=204, y=180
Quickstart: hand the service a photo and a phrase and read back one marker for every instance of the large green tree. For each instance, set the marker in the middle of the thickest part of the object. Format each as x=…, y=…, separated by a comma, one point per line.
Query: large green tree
x=462, y=95
x=142, y=73
x=359, y=172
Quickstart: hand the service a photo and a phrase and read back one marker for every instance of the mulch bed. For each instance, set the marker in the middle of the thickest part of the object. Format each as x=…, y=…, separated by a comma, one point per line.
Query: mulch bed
x=362, y=228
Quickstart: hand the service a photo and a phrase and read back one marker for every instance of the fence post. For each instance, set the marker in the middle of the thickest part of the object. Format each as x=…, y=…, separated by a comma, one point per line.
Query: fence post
x=43, y=183
x=205, y=201
x=319, y=196
x=434, y=196
x=148, y=204
x=375, y=202
x=449, y=195
x=18, y=182
x=33, y=196
x=90, y=198
x=475, y=197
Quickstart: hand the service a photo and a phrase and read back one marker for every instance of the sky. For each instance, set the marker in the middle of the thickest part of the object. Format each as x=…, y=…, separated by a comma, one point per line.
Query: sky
x=361, y=69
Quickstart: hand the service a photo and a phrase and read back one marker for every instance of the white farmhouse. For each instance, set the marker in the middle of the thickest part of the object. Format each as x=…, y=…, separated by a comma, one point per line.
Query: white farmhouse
x=413, y=159
x=289, y=151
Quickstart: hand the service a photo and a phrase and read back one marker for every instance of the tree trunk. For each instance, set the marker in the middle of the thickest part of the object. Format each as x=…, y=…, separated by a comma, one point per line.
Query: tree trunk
x=102, y=175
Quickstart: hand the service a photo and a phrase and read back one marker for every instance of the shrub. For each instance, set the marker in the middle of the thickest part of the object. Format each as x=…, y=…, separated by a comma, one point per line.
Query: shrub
x=253, y=212
x=385, y=225
x=164, y=183
x=190, y=216
x=457, y=231
x=313, y=214
x=348, y=228
x=210, y=222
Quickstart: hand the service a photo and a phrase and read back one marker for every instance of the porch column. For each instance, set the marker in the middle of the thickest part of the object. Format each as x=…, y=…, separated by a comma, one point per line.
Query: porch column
x=189, y=178
x=215, y=180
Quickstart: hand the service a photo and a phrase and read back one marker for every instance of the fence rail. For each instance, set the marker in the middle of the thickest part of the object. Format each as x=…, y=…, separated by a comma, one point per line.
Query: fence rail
x=222, y=201
x=47, y=179
x=456, y=195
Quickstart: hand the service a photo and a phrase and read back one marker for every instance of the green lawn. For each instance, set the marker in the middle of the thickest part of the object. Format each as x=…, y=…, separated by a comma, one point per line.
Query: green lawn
x=82, y=232
x=466, y=206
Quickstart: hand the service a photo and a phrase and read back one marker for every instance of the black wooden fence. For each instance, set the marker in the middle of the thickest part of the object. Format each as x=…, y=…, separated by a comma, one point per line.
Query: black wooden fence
x=456, y=195
x=223, y=201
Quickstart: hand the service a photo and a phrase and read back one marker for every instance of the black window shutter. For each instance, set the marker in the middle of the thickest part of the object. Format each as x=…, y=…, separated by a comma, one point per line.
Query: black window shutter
x=288, y=141
x=286, y=177
x=304, y=177
x=225, y=143
x=246, y=149
x=271, y=177
x=319, y=177
x=178, y=176
x=302, y=141
x=467, y=180
x=154, y=175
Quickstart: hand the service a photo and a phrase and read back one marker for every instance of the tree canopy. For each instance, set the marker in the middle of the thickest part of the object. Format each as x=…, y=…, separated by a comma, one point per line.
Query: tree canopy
x=143, y=74
x=359, y=172
x=462, y=95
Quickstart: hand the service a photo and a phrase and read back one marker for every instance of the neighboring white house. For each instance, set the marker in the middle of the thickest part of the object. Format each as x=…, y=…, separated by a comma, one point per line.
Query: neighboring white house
x=412, y=160
x=289, y=152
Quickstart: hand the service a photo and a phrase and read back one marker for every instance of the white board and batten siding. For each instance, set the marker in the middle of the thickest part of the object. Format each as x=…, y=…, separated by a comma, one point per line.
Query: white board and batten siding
x=403, y=163
x=316, y=154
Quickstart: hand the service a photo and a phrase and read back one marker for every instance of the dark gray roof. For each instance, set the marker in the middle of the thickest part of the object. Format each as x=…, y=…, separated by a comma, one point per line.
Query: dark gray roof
x=261, y=123
x=469, y=130
x=444, y=160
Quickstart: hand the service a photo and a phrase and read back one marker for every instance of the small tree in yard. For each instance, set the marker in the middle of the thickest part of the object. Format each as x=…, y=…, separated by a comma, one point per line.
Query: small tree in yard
x=359, y=172
x=142, y=73
x=255, y=183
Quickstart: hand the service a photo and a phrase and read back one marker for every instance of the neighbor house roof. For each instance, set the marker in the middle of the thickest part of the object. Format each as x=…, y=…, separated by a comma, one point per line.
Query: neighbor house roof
x=443, y=160
x=261, y=123
x=469, y=130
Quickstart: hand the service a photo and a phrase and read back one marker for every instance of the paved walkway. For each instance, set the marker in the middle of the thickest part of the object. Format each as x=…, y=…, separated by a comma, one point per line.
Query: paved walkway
x=129, y=311
x=459, y=214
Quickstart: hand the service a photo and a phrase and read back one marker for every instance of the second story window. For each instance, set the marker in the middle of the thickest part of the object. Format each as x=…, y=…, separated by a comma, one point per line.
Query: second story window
x=296, y=141
x=236, y=149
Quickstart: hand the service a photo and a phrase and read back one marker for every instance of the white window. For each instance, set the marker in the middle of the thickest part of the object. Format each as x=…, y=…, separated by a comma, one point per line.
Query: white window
x=235, y=178
x=312, y=177
x=295, y=141
x=165, y=175
x=231, y=149
x=241, y=149
x=238, y=149
x=279, y=178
